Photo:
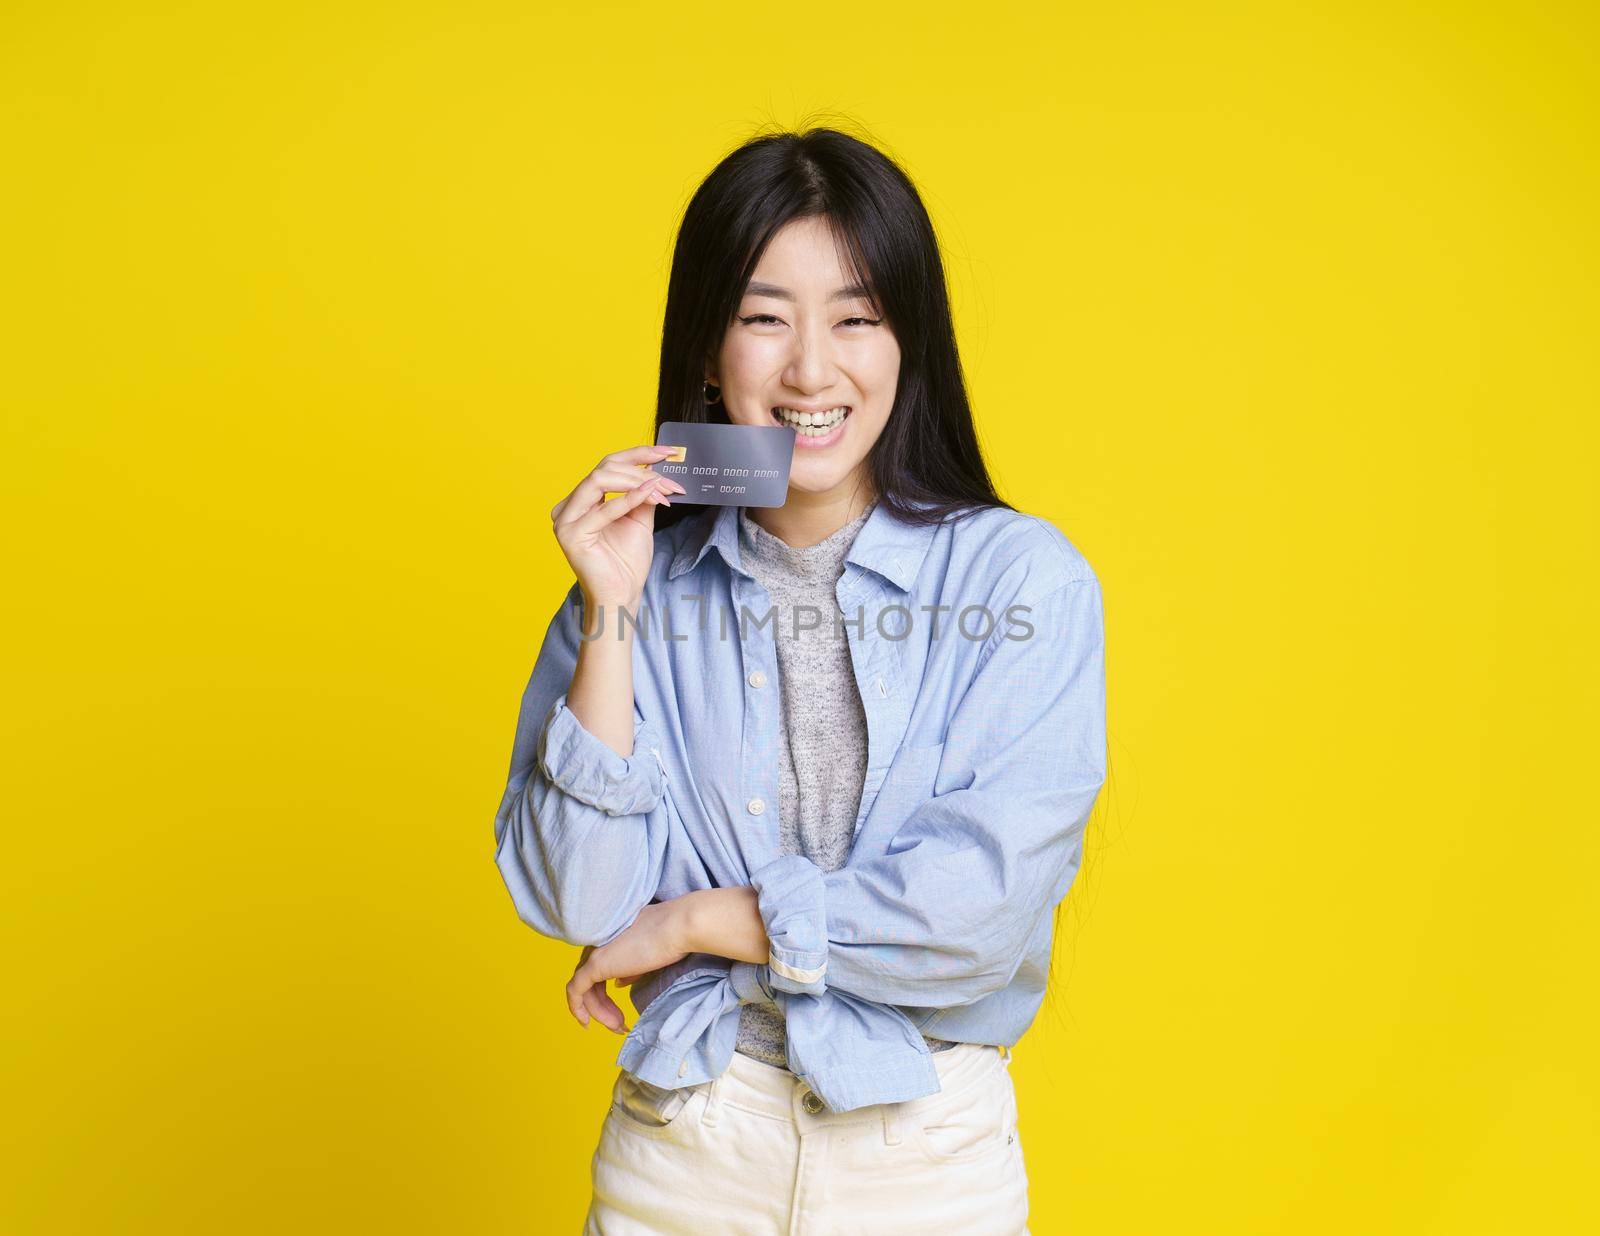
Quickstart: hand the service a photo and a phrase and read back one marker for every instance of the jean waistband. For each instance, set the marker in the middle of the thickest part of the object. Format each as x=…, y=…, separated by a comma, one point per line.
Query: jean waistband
x=756, y=1086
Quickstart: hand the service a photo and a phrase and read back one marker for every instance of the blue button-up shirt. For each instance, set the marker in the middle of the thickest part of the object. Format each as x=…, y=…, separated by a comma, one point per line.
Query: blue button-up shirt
x=978, y=650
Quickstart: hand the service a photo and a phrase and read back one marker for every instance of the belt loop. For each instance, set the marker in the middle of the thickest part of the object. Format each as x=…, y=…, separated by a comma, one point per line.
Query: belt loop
x=891, y=1124
x=713, y=1107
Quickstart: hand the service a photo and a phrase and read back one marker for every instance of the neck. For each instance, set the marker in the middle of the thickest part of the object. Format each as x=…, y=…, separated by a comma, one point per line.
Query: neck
x=805, y=519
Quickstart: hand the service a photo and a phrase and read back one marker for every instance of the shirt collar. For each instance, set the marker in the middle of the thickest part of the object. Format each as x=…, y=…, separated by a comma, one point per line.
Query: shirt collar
x=886, y=544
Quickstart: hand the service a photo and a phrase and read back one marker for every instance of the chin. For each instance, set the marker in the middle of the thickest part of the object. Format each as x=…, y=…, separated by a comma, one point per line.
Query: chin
x=810, y=482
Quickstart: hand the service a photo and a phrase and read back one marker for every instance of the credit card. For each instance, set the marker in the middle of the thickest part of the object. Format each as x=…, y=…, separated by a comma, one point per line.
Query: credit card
x=728, y=465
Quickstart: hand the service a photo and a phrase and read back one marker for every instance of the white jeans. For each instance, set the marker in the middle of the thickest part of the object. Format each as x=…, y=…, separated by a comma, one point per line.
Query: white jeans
x=743, y=1153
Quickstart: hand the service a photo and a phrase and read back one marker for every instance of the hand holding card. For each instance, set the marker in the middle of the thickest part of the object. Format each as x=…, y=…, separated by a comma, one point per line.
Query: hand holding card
x=728, y=465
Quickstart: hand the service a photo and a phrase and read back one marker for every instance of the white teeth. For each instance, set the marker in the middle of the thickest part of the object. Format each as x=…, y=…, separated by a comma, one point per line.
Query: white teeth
x=820, y=422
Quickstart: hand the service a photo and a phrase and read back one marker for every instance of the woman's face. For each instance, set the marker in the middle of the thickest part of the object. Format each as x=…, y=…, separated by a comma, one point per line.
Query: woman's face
x=804, y=346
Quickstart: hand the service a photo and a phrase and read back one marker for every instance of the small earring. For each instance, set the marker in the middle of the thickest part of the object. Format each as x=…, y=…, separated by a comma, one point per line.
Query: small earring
x=713, y=392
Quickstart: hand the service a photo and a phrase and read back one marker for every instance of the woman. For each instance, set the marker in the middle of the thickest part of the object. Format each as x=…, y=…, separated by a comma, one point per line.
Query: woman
x=810, y=778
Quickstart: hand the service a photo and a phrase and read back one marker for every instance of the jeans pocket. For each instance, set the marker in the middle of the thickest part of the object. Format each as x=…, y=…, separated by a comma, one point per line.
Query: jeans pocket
x=975, y=1124
x=644, y=1107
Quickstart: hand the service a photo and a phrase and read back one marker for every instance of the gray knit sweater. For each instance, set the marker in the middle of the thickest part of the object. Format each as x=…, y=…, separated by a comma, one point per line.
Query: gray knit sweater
x=822, y=728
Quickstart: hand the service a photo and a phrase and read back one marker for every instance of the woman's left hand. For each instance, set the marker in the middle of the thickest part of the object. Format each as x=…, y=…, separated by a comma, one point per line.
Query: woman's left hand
x=658, y=937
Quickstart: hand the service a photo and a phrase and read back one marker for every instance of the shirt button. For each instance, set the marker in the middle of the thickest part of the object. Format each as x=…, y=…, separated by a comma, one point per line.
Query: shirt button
x=812, y=1102
x=757, y=679
x=755, y=806
x=683, y=1068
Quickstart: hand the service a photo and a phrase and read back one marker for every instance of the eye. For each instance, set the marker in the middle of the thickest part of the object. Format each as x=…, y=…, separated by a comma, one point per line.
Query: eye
x=863, y=321
x=758, y=317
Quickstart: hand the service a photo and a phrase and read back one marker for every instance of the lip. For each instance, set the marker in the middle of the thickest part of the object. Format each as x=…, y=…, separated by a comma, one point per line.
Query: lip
x=804, y=443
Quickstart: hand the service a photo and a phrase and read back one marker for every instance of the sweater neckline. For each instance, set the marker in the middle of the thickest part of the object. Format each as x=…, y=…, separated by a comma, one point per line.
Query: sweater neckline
x=827, y=554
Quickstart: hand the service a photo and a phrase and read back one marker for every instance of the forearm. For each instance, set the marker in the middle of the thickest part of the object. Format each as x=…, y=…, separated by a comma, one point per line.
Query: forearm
x=601, y=695
x=725, y=922
x=581, y=832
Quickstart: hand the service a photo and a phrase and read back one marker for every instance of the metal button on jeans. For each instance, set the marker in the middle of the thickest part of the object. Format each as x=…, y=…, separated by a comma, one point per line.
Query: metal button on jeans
x=812, y=1102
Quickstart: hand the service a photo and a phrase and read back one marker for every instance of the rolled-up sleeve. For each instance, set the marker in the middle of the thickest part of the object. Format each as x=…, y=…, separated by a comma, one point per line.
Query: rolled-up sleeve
x=584, y=767
x=789, y=893
x=944, y=917
x=580, y=835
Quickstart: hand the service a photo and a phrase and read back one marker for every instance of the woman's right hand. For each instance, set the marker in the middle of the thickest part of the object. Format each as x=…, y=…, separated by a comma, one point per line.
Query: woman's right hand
x=609, y=544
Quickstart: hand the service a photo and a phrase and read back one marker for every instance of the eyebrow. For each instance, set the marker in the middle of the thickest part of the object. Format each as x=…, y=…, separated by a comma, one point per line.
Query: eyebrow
x=851, y=292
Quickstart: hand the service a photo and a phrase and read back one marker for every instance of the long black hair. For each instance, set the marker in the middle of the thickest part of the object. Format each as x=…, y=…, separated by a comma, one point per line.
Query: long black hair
x=926, y=464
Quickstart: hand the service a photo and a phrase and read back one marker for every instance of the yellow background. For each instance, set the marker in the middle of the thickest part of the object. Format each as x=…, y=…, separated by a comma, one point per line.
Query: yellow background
x=1285, y=314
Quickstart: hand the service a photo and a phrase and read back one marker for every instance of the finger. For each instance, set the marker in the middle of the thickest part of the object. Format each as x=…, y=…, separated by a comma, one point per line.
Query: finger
x=577, y=1007
x=587, y=997
x=591, y=490
x=605, y=1009
x=587, y=512
x=621, y=481
x=643, y=498
x=587, y=497
x=578, y=991
x=640, y=454
x=598, y=485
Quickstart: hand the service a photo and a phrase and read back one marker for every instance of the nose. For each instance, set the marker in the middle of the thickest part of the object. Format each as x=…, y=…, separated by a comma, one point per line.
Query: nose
x=811, y=367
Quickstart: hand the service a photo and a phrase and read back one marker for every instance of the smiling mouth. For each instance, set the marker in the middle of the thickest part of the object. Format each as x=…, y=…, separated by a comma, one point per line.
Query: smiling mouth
x=811, y=424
